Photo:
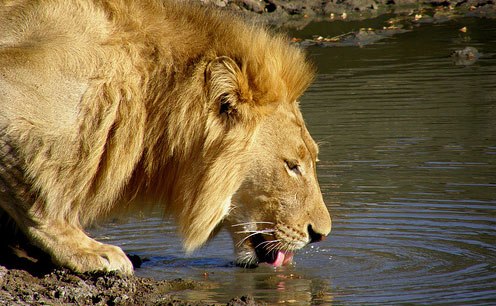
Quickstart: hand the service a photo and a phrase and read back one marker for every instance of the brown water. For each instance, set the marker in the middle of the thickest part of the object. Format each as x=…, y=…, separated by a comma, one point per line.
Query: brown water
x=408, y=170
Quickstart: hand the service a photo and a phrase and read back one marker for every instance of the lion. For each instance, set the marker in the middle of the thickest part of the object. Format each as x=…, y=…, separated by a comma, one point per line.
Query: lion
x=110, y=104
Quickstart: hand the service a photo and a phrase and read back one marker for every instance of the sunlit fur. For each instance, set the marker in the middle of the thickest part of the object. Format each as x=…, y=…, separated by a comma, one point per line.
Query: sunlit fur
x=279, y=206
x=105, y=104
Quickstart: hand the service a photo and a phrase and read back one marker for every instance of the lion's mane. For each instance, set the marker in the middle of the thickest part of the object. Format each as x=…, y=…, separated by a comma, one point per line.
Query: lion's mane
x=171, y=98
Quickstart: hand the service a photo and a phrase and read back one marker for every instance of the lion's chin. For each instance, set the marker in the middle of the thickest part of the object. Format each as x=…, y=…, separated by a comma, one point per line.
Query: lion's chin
x=266, y=253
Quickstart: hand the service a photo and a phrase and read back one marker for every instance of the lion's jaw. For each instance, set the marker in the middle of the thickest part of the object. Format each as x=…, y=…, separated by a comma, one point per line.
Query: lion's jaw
x=279, y=207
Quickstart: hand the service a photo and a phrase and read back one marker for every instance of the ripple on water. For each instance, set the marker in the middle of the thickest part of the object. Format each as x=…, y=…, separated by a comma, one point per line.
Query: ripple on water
x=408, y=162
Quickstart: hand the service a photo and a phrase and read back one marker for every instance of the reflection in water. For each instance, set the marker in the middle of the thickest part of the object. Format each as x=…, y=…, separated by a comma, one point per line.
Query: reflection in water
x=154, y=238
x=409, y=167
x=408, y=170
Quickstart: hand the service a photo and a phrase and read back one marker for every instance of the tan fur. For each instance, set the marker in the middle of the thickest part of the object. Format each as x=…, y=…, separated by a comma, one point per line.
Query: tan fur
x=105, y=102
x=280, y=197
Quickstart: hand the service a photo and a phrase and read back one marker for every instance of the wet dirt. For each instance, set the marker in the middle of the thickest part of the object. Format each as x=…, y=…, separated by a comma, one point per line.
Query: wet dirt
x=63, y=287
x=27, y=277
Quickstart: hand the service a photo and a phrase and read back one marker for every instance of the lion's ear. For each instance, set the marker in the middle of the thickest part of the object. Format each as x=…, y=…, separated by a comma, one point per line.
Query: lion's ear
x=228, y=90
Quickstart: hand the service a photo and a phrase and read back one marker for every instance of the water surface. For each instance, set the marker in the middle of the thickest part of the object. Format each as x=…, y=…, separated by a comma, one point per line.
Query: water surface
x=408, y=171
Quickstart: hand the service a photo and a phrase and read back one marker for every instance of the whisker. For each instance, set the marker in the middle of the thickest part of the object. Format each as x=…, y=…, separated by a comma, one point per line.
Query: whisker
x=244, y=239
x=275, y=246
x=250, y=262
x=264, y=231
x=288, y=248
x=251, y=235
x=250, y=223
x=247, y=260
x=267, y=242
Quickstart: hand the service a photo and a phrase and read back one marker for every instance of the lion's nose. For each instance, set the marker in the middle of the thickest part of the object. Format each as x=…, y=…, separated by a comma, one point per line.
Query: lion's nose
x=314, y=236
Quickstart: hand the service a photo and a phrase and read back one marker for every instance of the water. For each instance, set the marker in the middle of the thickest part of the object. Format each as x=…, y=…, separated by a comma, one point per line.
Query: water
x=408, y=170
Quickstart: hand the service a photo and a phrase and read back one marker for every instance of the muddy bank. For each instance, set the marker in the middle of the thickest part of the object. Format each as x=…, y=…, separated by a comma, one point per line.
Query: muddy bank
x=298, y=13
x=27, y=277
x=62, y=287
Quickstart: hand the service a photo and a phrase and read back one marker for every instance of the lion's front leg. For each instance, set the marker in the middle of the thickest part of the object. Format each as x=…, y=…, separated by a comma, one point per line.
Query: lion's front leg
x=70, y=247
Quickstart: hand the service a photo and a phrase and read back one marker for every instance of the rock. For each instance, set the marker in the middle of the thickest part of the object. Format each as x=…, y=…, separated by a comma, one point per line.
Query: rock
x=243, y=301
x=340, y=7
x=360, y=38
x=256, y=6
x=3, y=272
x=466, y=56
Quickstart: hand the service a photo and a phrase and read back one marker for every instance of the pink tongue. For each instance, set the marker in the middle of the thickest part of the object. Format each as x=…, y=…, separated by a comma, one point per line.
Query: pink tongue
x=282, y=259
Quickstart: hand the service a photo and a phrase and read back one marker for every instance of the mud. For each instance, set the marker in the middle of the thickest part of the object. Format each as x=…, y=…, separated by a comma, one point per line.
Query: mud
x=27, y=277
x=63, y=287
x=299, y=13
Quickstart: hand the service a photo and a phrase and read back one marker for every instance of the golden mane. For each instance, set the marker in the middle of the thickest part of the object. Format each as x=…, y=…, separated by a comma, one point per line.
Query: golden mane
x=147, y=127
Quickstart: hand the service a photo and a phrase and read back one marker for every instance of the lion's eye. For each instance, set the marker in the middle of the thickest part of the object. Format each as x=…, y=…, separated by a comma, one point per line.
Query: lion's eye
x=293, y=166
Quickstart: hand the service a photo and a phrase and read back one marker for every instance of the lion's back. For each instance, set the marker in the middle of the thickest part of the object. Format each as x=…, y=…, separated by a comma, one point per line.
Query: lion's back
x=48, y=52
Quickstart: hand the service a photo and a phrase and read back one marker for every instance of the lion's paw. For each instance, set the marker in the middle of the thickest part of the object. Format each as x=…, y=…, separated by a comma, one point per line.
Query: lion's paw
x=70, y=247
x=103, y=257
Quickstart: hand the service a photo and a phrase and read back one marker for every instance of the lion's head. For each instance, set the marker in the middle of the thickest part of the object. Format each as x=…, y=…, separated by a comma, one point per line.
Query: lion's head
x=264, y=176
x=279, y=207
x=257, y=168
x=225, y=141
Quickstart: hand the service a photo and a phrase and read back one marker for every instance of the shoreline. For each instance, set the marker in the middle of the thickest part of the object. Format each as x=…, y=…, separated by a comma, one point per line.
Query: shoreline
x=299, y=13
x=63, y=287
x=22, y=282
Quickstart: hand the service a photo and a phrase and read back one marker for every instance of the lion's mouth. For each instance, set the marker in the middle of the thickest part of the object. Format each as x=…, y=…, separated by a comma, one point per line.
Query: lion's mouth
x=267, y=253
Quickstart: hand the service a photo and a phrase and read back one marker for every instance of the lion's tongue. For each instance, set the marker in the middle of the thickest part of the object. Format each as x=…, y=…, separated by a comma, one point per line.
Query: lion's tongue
x=282, y=259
